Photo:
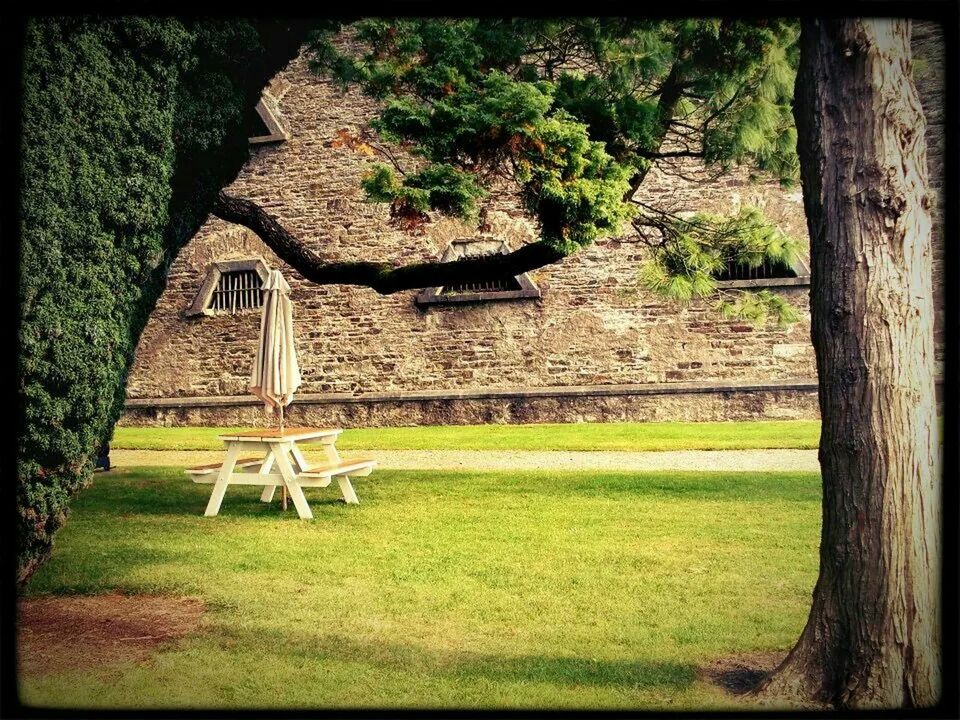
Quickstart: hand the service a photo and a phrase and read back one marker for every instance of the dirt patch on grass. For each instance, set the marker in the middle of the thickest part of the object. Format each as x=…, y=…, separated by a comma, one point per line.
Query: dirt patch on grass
x=78, y=632
x=739, y=674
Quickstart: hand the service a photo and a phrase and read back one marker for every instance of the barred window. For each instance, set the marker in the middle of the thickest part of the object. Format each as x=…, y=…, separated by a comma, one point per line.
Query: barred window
x=490, y=286
x=511, y=288
x=229, y=287
x=767, y=274
x=238, y=290
x=767, y=270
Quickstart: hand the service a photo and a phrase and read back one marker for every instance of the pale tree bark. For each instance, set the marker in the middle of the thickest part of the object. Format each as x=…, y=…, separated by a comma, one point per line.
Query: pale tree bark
x=873, y=636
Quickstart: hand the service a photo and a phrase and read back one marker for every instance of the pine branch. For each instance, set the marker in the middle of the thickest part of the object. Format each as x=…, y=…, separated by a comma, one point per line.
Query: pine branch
x=670, y=92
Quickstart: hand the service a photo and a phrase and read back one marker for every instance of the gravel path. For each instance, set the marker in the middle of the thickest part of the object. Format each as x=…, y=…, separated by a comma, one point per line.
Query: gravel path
x=736, y=460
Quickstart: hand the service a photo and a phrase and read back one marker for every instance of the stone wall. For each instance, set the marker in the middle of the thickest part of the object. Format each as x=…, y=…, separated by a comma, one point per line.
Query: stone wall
x=368, y=359
x=609, y=403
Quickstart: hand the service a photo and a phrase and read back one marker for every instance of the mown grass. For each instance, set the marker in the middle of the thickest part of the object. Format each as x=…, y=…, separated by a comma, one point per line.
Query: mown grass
x=747, y=435
x=446, y=589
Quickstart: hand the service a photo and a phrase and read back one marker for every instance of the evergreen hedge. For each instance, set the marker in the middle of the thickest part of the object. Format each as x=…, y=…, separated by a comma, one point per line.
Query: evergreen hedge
x=130, y=126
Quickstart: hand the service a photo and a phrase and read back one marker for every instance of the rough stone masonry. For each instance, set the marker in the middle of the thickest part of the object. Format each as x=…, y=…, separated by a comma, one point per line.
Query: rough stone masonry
x=592, y=347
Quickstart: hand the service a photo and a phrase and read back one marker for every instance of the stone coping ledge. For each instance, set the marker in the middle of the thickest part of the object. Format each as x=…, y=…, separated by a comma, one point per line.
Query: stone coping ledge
x=765, y=282
x=675, y=388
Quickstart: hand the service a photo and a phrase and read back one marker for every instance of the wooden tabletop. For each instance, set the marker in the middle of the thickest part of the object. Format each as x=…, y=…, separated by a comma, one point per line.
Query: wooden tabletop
x=274, y=434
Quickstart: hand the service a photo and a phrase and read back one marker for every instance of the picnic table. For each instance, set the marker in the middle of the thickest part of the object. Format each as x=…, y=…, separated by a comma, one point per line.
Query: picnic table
x=279, y=462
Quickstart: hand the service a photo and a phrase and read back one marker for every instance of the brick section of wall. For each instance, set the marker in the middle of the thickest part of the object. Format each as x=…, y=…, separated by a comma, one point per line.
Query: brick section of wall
x=593, y=325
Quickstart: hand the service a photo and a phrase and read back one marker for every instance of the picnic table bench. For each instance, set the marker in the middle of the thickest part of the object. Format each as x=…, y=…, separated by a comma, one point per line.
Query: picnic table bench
x=280, y=463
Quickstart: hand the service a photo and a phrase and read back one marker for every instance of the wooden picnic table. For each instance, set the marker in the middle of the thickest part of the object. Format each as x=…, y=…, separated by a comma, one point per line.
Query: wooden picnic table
x=280, y=463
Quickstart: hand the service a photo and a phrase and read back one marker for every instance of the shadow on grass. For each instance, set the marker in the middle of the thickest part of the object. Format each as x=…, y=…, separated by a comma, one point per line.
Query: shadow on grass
x=636, y=675
x=127, y=493
x=167, y=491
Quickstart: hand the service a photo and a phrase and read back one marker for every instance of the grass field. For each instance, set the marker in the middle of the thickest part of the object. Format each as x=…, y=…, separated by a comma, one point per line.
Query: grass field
x=446, y=589
x=751, y=435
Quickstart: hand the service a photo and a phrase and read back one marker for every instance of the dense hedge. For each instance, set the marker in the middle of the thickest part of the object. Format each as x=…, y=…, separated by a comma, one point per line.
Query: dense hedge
x=130, y=127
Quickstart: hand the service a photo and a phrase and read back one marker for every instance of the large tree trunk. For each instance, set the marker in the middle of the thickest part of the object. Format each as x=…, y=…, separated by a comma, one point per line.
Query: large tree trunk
x=873, y=635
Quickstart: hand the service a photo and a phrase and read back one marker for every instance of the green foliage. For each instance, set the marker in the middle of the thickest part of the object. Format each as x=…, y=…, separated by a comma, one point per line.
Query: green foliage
x=86, y=185
x=757, y=125
x=693, y=250
x=758, y=308
x=130, y=127
x=572, y=185
x=574, y=110
x=439, y=186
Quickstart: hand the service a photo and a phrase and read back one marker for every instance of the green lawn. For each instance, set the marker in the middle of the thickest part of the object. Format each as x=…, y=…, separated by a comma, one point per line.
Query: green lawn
x=446, y=589
x=748, y=435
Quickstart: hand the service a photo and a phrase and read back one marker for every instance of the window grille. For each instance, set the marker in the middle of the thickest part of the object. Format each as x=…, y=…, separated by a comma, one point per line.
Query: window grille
x=230, y=286
x=768, y=270
x=237, y=290
x=510, y=288
x=490, y=286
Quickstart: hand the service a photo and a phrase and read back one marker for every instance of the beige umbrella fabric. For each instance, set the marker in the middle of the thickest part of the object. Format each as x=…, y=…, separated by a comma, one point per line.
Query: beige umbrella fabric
x=276, y=376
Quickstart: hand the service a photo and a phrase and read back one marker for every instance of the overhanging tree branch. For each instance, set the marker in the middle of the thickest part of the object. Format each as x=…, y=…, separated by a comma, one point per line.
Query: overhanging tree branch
x=660, y=154
x=381, y=277
x=670, y=92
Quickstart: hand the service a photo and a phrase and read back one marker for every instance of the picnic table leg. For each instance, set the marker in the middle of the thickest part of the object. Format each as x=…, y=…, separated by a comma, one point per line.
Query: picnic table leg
x=223, y=479
x=293, y=452
x=301, y=461
x=349, y=496
x=267, y=494
x=346, y=488
x=330, y=451
x=296, y=492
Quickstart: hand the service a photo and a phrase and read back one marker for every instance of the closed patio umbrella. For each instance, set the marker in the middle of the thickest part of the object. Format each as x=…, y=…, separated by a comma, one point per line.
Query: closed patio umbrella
x=276, y=375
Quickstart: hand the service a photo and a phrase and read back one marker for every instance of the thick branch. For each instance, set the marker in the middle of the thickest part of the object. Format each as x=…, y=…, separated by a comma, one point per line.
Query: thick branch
x=670, y=91
x=382, y=277
x=686, y=152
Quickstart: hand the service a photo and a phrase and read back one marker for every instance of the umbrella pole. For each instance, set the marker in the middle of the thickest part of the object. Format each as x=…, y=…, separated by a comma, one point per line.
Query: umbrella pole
x=284, y=487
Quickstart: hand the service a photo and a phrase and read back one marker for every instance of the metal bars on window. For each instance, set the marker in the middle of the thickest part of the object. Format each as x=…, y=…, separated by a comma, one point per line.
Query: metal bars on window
x=765, y=271
x=237, y=290
x=490, y=286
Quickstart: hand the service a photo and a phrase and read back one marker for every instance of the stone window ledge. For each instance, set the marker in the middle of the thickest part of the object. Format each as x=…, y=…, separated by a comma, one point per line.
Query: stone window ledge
x=276, y=132
x=431, y=296
x=764, y=282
